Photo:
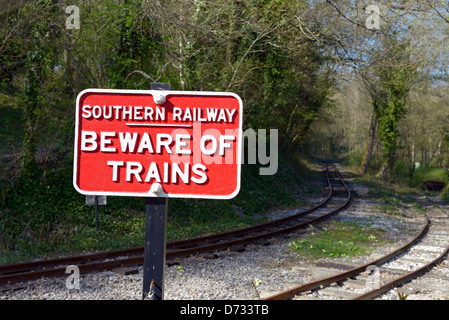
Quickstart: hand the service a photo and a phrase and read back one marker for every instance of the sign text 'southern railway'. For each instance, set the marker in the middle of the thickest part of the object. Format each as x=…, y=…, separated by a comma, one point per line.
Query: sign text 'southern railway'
x=158, y=143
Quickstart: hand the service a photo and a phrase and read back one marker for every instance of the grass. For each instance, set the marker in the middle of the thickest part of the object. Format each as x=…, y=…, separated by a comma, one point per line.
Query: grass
x=391, y=197
x=11, y=119
x=340, y=240
x=402, y=174
x=44, y=216
x=428, y=173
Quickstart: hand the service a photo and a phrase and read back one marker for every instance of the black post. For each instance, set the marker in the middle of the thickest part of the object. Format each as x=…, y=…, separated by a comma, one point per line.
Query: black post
x=154, y=249
x=155, y=238
x=96, y=213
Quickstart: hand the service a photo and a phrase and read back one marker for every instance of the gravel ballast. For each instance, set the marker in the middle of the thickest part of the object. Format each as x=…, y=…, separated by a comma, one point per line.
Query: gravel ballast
x=229, y=275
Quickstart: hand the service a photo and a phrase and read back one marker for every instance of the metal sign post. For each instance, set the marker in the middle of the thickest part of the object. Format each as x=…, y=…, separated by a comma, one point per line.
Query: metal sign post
x=155, y=239
x=154, y=249
x=97, y=226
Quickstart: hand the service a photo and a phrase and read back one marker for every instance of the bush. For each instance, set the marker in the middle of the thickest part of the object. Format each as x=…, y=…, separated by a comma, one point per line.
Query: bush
x=355, y=159
x=428, y=173
x=44, y=215
x=402, y=172
x=445, y=195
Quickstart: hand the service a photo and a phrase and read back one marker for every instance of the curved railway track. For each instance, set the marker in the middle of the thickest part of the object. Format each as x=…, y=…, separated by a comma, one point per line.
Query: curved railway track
x=332, y=204
x=404, y=255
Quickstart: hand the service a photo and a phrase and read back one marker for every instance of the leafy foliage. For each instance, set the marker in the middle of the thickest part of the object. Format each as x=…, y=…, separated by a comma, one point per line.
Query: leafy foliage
x=46, y=216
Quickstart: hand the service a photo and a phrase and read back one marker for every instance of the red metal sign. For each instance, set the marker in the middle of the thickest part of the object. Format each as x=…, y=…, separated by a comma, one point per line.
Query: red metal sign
x=158, y=143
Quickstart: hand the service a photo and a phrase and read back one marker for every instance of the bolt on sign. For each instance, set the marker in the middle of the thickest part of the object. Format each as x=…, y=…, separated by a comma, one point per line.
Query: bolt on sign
x=155, y=143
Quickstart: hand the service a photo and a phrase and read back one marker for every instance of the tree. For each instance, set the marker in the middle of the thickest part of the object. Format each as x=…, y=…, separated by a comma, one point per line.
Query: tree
x=39, y=63
x=392, y=77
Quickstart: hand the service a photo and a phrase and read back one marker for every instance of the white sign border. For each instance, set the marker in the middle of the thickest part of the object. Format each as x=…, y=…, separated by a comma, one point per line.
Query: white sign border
x=149, y=194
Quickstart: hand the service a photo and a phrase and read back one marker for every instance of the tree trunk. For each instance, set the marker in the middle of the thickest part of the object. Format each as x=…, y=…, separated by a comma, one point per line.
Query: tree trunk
x=370, y=145
x=386, y=172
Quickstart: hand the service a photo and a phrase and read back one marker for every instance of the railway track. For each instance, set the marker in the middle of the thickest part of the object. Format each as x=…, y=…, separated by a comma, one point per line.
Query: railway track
x=393, y=270
x=337, y=199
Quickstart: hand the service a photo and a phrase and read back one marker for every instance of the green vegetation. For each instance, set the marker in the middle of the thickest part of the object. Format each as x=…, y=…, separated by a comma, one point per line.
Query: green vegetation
x=429, y=173
x=392, y=198
x=250, y=48
x=11, y=129
x=402, y=295
x=414, y=177
x=45, y=216
x=313, y=70
x=339, y=240
x=403, y=185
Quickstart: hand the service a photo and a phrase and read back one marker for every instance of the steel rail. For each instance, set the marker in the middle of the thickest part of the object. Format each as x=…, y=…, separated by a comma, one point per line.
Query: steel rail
x=402, y=279
x=290, y=293
x=81, y=259
x=134, y=256
x=238, y=232
x=269, y=234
